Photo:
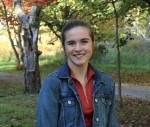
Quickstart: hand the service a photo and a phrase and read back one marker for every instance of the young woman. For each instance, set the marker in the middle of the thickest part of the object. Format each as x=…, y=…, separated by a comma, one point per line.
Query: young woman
x=76, y=94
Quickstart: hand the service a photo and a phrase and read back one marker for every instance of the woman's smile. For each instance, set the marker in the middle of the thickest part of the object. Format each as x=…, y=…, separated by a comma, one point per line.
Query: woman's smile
x=79, y=55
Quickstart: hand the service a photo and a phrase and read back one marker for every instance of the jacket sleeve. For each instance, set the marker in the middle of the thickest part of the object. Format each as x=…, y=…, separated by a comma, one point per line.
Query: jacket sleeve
x=112, y=117
x=47, y=106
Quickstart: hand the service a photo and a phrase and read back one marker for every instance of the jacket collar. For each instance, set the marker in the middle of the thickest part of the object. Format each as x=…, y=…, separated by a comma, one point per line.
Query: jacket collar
x=63, y=71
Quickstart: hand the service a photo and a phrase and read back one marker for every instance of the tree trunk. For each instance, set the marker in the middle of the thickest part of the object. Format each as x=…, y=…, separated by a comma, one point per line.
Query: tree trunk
x=9, y=35
x=118, y=55
x=19, y=42
x=31, y=53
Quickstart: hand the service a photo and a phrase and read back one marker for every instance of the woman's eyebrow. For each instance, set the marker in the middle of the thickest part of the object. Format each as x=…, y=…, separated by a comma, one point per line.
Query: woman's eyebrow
x=70, y=41
x=85, y=39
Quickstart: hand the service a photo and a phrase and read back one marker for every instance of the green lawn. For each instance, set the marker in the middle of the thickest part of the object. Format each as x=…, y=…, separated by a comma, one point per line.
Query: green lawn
x=9, y=66
x=19, y=110
x=16, y=109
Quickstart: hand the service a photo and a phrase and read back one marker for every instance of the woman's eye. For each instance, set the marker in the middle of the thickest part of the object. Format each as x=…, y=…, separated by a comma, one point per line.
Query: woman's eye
x=84, y=42
x=71, y=43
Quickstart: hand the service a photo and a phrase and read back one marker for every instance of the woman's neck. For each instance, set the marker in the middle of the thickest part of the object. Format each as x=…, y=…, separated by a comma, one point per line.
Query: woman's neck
x=80, y=73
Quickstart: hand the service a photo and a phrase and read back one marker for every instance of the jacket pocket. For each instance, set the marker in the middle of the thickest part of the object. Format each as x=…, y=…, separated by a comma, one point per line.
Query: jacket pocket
x=106, y=103
x=106, y=100
x=68, y=110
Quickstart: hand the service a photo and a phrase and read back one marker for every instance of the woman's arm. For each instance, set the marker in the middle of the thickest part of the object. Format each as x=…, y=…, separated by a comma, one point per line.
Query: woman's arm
x=112, y=117
x=47, y=106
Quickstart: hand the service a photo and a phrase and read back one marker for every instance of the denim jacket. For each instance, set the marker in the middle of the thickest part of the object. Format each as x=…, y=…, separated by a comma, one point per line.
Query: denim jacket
x=59, y=104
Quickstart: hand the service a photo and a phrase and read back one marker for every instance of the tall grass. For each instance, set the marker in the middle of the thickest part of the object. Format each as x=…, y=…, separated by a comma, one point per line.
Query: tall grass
x=6, y=52
x=133, y=55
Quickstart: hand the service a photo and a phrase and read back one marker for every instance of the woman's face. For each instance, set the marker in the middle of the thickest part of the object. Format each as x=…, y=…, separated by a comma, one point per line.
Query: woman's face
x=78, y=46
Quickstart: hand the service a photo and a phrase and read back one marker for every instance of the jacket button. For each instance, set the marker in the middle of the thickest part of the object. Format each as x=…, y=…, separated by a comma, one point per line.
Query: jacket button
x=69, y=102
x=96, y=100
x=97, y=119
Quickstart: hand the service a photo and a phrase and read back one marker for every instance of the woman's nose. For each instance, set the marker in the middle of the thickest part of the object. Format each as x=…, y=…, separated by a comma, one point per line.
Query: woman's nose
x=78, y=47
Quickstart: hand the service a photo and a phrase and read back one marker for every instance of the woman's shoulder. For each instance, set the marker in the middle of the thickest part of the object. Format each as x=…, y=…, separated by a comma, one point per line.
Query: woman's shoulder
x=105, y=79
x=102, y=74
x=105, y=74
x=61, y=72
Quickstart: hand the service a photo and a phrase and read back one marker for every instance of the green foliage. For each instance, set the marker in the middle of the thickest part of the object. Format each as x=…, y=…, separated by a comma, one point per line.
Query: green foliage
x=55, y=16
x=147, y=1
x=99, y=50
x=125, y=39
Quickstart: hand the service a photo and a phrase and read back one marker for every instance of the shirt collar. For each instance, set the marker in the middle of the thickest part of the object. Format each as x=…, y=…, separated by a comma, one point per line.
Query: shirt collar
x=90, y=73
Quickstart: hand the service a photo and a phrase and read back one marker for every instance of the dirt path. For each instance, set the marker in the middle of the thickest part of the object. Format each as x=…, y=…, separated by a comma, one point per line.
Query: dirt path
x=11, y=77
x=142, y=92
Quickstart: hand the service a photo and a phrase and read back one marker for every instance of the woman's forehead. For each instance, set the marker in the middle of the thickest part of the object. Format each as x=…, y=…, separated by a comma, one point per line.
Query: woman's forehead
x=77, y=32
x=78, y=29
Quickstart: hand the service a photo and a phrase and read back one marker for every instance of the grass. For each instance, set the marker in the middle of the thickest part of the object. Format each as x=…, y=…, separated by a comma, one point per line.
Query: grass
x=134, y=56
x=16, y=109
x=19, y=110
x=130, y=74
x=9, y=66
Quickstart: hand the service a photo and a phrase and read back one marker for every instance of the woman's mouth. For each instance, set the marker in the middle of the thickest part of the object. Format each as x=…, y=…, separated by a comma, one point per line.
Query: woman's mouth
x=79, y=55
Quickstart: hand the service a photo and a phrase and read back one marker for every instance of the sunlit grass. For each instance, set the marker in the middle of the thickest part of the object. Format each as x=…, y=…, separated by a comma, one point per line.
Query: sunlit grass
x=8, y=61
x=7, y=66
x=6, y=52
x=49, y=49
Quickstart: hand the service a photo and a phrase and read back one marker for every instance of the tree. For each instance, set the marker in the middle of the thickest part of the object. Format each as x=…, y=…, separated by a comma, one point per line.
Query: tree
x=28, y=13
x=118, y=51
x=30, y=26
x=9, y=20
x=29, y=18
x=56, y=15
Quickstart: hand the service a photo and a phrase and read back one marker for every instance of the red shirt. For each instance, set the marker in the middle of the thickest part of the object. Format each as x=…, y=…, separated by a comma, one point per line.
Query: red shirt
x=86, y=100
